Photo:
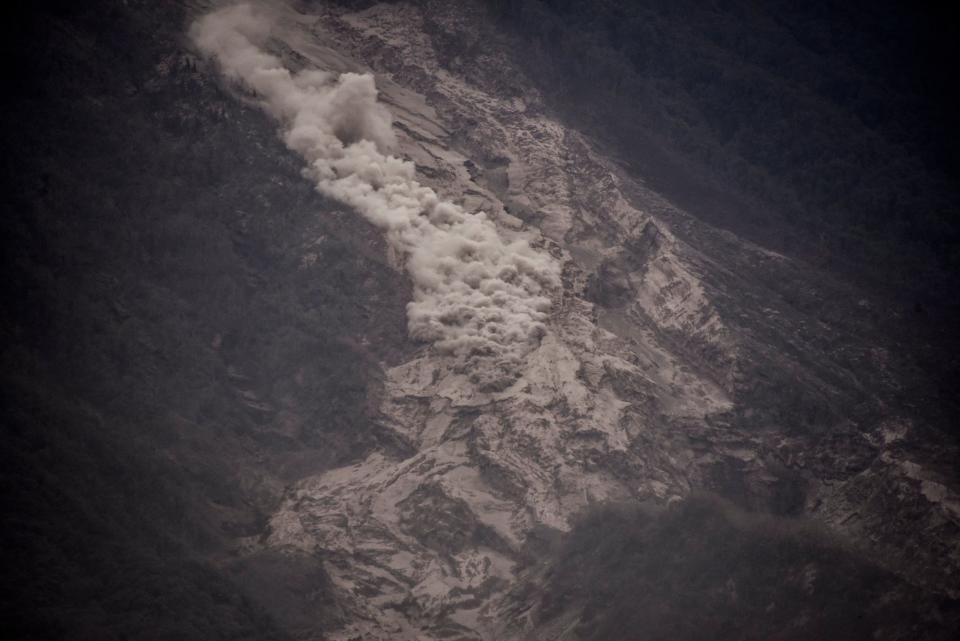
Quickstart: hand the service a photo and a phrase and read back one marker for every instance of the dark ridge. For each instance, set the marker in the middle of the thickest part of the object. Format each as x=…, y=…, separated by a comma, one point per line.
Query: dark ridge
x=702, y=569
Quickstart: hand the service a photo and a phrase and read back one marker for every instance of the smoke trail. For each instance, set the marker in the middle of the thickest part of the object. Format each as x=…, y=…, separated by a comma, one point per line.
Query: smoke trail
x=474, y=294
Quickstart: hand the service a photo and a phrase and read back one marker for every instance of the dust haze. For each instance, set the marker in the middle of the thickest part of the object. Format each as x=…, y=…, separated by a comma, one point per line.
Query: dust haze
x=475, y=293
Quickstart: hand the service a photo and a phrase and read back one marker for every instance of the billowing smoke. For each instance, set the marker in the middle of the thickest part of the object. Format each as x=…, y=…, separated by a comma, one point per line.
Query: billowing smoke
x=474, y=293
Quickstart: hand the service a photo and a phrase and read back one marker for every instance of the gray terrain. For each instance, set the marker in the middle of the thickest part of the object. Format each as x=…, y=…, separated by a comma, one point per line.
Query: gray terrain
x=232, y=409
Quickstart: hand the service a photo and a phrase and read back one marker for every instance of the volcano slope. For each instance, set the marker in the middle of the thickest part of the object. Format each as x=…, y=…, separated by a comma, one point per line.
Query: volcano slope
x=300, y=386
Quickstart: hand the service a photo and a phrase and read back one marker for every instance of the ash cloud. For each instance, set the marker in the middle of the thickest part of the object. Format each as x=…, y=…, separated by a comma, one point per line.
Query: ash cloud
x=475, y=294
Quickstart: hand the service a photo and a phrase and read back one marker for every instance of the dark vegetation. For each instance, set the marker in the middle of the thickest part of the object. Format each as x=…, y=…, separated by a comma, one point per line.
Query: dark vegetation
x=836, y=113
x=825, y=130
x=702, y=569
x=169, y=361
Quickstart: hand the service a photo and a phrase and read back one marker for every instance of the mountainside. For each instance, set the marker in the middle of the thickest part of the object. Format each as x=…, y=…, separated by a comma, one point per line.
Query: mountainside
x=269, y=373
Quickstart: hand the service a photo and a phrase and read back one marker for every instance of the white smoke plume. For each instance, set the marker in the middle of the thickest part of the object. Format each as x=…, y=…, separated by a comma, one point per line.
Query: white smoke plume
x=474, y=293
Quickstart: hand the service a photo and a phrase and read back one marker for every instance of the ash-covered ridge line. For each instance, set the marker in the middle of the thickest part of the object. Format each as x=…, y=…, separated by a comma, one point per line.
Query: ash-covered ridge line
x=477, y=295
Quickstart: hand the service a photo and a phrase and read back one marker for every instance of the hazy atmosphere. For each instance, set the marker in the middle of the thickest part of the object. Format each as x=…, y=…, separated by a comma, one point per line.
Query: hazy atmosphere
x=495, y=320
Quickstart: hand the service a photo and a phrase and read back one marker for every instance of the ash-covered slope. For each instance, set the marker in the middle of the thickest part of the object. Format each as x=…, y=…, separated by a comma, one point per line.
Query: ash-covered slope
x=675, y=357
x=391, y=417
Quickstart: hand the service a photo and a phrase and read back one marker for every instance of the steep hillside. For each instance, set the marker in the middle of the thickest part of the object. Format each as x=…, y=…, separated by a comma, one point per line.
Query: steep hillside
x=820, y=130
x=187, y=326
x=270, y=373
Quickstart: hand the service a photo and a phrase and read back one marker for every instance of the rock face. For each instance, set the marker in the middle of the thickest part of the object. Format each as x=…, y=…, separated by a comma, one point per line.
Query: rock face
x=676, y=357
x=225, y=360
